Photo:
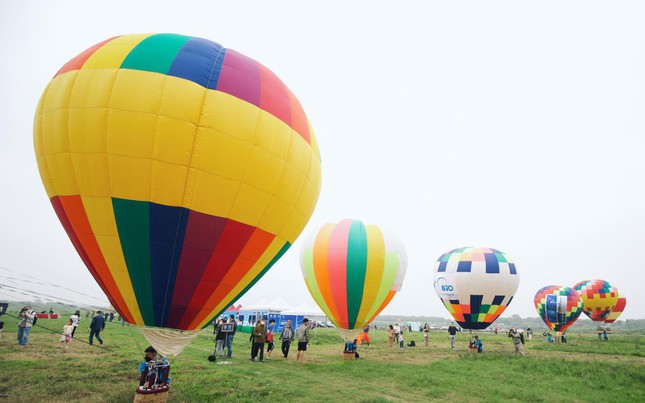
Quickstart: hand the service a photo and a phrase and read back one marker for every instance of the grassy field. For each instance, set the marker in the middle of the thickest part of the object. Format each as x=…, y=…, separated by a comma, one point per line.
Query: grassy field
x=581, y=370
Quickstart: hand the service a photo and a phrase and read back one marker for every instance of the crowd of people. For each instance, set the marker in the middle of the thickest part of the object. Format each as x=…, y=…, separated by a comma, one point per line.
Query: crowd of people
x=263, y=337
x=27, y=318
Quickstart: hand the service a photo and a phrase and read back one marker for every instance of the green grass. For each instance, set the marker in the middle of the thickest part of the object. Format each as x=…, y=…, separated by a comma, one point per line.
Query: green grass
x=581, y=370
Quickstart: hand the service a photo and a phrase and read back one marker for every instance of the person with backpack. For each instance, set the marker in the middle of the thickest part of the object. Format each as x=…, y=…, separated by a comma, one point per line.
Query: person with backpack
x=286, y=336
x=27, y=318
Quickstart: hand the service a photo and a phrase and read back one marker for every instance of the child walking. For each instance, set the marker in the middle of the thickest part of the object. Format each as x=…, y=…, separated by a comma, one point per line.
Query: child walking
x=67, y=334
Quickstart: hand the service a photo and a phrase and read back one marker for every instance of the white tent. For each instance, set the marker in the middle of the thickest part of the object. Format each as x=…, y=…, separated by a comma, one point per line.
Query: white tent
x=305, y=309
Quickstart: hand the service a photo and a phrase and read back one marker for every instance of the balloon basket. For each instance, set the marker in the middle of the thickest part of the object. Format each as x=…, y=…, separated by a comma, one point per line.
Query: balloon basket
x=348, y=356
x=158, y=395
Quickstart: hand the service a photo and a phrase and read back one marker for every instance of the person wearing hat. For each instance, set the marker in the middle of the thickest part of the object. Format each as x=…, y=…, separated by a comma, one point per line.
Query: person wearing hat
x=97, y=325
x=26, y=316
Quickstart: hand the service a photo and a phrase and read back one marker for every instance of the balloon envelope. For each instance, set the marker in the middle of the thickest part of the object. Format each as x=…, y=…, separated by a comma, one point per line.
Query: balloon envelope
x=353, y=271
x=599, y=298
x=618, y=309
x=475, y=284
x=558, y=306
x=181, y=171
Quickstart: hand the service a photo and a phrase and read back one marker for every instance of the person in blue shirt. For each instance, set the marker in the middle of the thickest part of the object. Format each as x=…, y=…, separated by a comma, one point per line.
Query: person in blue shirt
x=478, y=344
x=350, y=347
x=154, y=370
x=97, y=325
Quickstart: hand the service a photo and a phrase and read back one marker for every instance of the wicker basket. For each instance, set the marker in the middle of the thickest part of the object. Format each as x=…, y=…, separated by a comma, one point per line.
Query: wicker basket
x=151, y=396
x=348, y=356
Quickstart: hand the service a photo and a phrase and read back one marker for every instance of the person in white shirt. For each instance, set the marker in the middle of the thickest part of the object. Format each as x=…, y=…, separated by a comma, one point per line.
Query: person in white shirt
x=76, y=319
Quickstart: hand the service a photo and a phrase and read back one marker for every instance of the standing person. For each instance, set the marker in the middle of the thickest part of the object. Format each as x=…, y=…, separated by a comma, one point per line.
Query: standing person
x=366, y=335
x=269, y=338
x=68, y=330
x=286, y=336
x=76, y=319
x=98, y=324
x=390, y=336
x=517, y=340
x=604, y=334
x=426, y=333
x=259, y=337
x=229, y=337
x=452, y=331
x=600, y=331
x=303, y=339
x=397, y=330
x=478, y=344
x=529, y=333
x=26, y=316
x=220, y=339
x=401, y=344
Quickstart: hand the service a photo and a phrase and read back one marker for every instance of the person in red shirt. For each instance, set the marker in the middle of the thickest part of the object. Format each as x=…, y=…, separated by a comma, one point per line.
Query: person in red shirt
x=269, y=338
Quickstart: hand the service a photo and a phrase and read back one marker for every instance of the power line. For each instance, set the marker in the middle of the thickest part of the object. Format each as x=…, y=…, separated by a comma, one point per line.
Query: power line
x=51, y=298
x=42, y=282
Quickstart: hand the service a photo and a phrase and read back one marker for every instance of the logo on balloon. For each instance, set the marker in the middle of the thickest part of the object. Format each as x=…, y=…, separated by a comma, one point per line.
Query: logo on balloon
x=445, y=288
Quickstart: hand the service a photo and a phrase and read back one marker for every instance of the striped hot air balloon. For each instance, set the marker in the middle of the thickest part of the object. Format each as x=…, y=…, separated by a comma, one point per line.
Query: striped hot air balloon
x=180, y=169
x=353, y=271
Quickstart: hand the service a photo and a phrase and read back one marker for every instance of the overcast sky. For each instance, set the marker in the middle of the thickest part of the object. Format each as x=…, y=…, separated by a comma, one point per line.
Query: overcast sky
x=513, y=125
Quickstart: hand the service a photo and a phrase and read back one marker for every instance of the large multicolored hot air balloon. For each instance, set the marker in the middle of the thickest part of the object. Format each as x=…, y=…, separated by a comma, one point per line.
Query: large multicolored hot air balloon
x=599, y=298
x=353, y=271
x=558, y=306
x=618, y=309
x=475, y=285
x=181, y=171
